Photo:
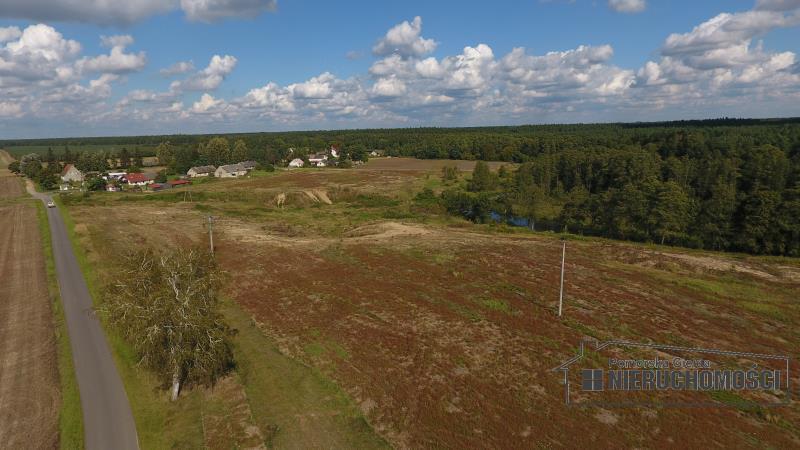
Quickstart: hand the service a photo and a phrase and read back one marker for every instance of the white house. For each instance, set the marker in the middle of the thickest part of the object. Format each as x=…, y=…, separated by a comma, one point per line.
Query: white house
x=297, y=162
x=114, y=175
x=230, y=171
x=71, y=173
x=334, y=152
x=201, y=171
x=318, y=160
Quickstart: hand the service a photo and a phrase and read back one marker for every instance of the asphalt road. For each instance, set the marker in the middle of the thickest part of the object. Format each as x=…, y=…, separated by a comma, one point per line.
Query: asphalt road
x=107, y=418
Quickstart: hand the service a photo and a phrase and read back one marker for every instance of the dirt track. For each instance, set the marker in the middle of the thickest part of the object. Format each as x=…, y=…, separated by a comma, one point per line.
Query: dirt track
x=29, y=392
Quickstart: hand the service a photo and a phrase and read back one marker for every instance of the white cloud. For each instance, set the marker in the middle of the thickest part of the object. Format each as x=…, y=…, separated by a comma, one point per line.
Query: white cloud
x=316, y=88
x=39, y=53
x=206, y=104
x=116, y=12
x=389, y=87
x=178, y=68
x=209, y=78
x=405, y=39
x=627, y=6
x=117, y=61
x=9, y=34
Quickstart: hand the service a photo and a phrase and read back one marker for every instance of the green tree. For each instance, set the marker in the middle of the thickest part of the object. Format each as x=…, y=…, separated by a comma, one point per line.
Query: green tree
x=30, y=165
x=216, y=151
x=482, y=178
x=167, y=306
x=670, y=214
x=240, y=152
x=124, y=157
x=165, y=153
x=757, y=222
x=449, y=173
x=14, y=167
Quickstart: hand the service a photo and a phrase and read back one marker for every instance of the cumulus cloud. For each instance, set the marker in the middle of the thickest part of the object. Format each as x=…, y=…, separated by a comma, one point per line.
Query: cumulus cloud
x=209, y=78
x=405, y=39
x=178, y=68
x=39, y=53
x=9, y=34
x=117, y=62
x=115, y=12
x=627, y=6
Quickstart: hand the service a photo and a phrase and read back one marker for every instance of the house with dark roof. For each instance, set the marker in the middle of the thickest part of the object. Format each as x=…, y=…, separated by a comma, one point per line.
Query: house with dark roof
x=249, y=165
x=230, y=171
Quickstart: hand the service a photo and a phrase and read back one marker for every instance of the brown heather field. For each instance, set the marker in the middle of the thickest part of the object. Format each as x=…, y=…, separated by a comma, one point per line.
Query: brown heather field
x=29, y=382
x=443, y=333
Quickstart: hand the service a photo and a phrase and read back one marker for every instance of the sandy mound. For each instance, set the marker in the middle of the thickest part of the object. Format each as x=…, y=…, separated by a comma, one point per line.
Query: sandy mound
x=386, y=230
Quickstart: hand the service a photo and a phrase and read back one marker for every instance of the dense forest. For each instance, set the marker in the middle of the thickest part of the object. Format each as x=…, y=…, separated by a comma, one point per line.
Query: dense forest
x=722, y=184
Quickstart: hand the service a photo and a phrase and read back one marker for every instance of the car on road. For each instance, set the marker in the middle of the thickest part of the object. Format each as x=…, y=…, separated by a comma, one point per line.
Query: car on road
x=51, y=204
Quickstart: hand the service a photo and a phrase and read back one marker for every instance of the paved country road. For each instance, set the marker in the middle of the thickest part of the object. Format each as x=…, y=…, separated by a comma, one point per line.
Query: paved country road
x=107, y=418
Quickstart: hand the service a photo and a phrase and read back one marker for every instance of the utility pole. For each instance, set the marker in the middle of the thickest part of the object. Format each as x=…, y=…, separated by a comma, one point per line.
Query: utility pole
x=211, y=233
x=561, y=292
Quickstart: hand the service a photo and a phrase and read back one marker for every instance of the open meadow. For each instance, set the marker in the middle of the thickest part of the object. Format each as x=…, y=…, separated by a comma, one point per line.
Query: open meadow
x=356, y=297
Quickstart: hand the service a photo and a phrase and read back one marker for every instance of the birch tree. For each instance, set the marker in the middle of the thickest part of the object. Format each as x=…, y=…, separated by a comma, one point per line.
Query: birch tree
x=167, y=306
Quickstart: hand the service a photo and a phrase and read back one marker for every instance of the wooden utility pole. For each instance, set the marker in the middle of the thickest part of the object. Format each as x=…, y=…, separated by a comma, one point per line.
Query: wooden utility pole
x=561, y=292
x=211, y=233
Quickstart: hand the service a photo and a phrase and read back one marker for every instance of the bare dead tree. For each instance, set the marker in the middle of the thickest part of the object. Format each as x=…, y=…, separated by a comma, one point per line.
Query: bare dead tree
x=167, y=307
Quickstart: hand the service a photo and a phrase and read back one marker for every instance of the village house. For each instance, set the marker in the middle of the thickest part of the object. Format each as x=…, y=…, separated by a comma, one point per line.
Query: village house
x=230, y=171
x=318, y=160
x=71, y=174
x=201, y=171
x=249, y=165
x=115, y=175
x=297, y=162
x=140, y=179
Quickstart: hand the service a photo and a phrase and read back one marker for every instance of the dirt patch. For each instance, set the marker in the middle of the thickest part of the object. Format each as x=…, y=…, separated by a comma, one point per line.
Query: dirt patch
x=386, y=230
x=29, y=384
x=719, y=264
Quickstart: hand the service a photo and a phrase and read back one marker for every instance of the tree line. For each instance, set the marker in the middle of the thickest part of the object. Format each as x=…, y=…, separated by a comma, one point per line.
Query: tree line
x=738, y=198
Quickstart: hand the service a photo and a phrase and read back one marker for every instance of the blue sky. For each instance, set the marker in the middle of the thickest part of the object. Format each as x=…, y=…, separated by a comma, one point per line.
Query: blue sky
x=318, y=64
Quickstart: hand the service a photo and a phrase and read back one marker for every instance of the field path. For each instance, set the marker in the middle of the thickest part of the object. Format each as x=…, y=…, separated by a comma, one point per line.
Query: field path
x=107, y=417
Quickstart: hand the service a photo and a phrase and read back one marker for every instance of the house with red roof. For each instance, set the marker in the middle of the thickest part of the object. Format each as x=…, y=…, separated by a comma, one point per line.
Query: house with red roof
x=140, y=179
x=71, y=174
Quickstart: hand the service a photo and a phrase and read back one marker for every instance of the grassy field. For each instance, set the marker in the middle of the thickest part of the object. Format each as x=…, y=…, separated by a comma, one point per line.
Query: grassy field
x=430, y=331
x=269, y=400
